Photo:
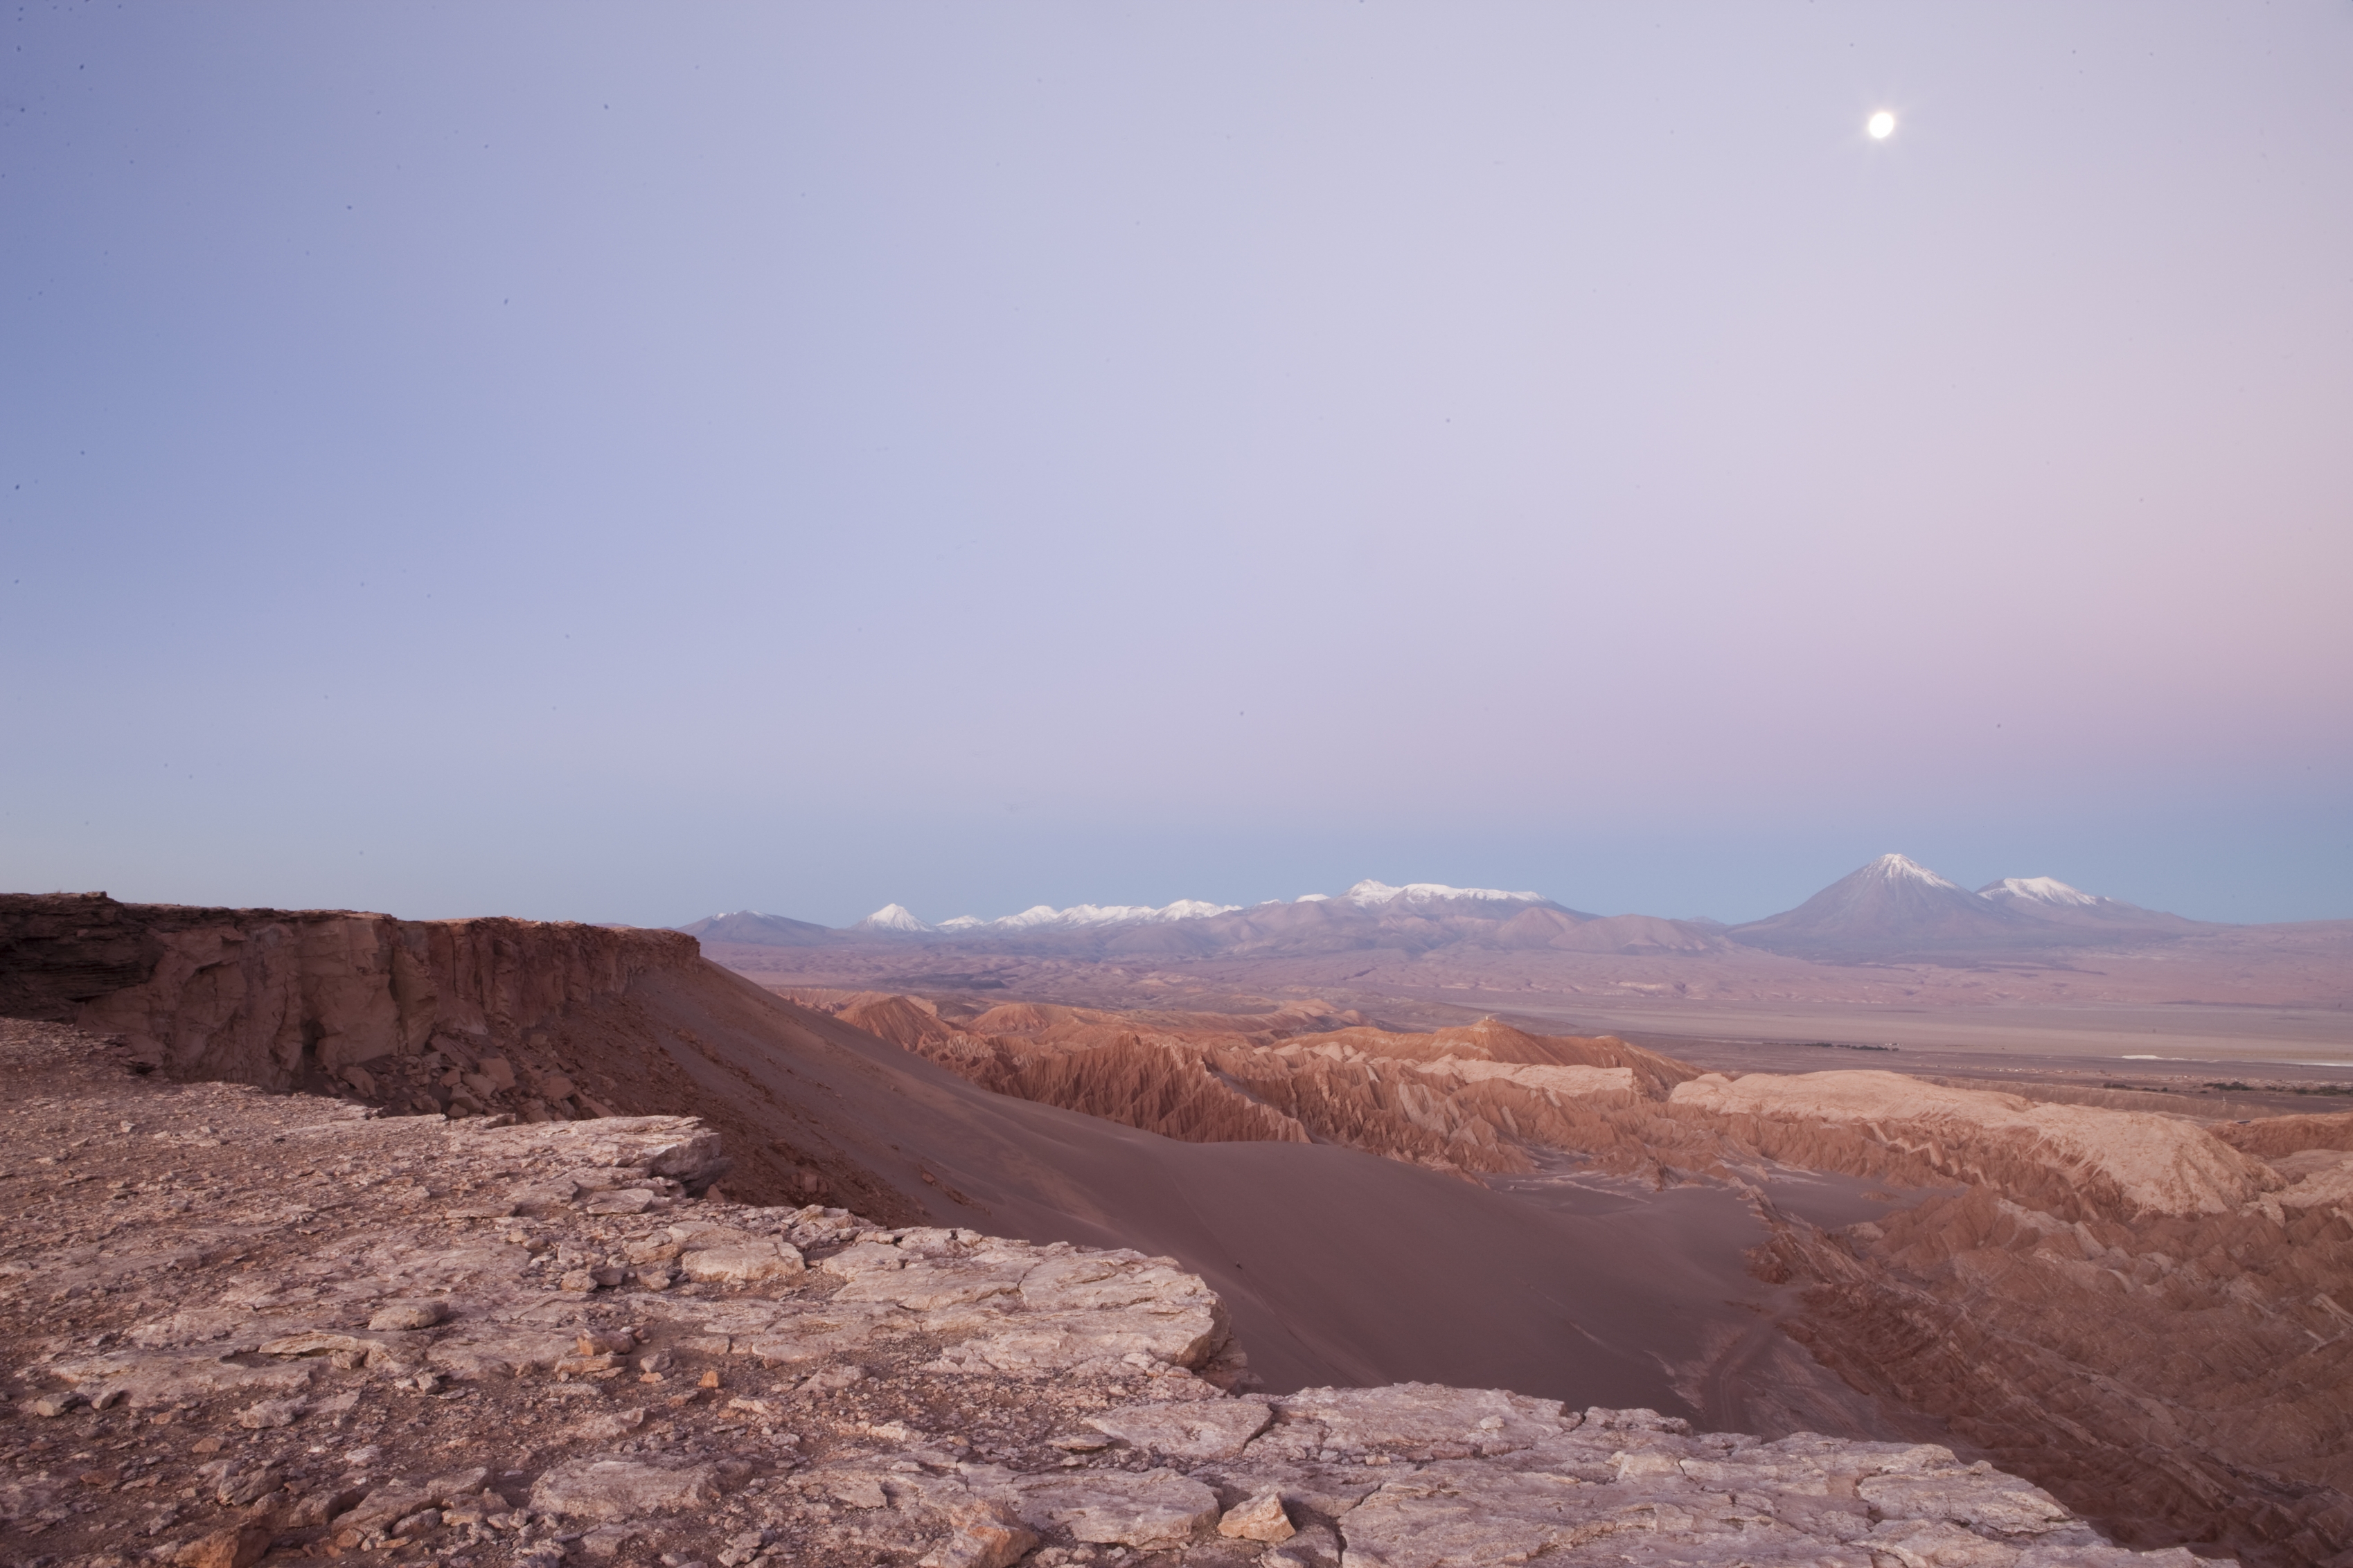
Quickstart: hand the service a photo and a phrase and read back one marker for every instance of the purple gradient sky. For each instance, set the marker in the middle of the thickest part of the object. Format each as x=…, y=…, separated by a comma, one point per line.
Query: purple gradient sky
x=620, y=463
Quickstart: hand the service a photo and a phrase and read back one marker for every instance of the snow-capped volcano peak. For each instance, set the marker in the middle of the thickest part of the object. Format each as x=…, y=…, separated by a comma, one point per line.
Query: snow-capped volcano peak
x=1046, y=917
x=1368, y=894
x=2039, y=891
x=1901, y=867
x=891, y=917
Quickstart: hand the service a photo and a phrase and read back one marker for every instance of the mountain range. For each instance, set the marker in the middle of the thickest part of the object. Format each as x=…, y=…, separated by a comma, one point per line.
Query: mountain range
x=1891, y=909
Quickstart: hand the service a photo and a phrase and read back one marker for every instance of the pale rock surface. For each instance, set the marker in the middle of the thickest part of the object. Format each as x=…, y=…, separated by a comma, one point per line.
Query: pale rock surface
x=1157, y=1509
x=1261, y=1518
x=2147, y=1163
x=609, y=1489
x=1200, y=1429
x=1571, y=1081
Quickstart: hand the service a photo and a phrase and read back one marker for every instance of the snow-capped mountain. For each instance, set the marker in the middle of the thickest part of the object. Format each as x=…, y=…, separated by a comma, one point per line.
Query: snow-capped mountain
x=2048, y=891
x=893, y=917
x=1082, y=917
x=1893, y=906
x=1045, y=918
x=2051, y=900
x=1372, y=895
x=1368, y=898
x=1897, y=908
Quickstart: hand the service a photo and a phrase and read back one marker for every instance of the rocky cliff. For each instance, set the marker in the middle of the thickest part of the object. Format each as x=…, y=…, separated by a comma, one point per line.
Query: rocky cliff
x=280, y=997
x=246, y=1326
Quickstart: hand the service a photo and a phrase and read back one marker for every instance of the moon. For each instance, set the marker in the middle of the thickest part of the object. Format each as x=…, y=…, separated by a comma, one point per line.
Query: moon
x=1881, y=125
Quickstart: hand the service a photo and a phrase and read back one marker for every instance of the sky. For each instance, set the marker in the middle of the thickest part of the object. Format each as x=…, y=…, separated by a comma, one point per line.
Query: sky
x=624, y=462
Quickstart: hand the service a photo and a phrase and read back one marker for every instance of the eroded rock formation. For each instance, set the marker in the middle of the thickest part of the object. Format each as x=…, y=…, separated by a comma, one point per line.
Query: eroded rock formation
x=1468, y=1098
x=2149, y=1315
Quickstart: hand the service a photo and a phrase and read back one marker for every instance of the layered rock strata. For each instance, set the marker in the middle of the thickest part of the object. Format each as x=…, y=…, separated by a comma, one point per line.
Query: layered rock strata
x=247, y=1326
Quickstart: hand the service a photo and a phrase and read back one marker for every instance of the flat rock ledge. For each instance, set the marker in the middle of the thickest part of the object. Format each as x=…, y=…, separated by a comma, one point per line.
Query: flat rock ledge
x=247, y=1326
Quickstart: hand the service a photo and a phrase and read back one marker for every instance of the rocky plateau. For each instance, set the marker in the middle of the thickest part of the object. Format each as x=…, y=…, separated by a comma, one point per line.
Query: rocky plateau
x=248, y=1326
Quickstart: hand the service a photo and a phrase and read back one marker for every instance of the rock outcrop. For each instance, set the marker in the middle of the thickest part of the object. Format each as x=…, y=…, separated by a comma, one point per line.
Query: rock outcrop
x=245, y=1324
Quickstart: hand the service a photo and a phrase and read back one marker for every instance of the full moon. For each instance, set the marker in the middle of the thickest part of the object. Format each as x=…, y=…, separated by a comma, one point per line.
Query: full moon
x=1882, y=125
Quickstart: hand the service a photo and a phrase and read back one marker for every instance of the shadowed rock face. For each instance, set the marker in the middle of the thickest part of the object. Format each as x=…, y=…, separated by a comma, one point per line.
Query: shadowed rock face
x=196, y=1275
x=275, y=997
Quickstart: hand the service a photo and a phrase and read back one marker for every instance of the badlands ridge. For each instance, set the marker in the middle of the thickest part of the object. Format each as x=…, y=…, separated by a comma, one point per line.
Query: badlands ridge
x=1893, y=1296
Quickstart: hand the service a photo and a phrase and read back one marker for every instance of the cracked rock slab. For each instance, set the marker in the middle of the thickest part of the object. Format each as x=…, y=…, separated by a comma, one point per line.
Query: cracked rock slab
x=1195, y=1429
x=1158, y=1509
x=610, y=1489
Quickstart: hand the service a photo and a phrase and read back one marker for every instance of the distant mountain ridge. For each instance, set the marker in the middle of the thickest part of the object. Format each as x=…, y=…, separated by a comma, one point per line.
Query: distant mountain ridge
x=1891, y=909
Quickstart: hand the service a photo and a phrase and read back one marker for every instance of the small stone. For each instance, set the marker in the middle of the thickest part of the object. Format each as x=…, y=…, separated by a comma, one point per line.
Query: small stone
x=741, y=1549
x=983, y=1538
x=238, y=1486
x=579, y=1279
x=395, y=1316
x=607, y=1541
x=238, y=1546
x=53, y=1404
x=1259, y=1519
x=270, y=1412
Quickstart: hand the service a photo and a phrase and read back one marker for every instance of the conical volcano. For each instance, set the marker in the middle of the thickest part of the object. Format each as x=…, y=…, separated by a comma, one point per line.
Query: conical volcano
x=1892, y=907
